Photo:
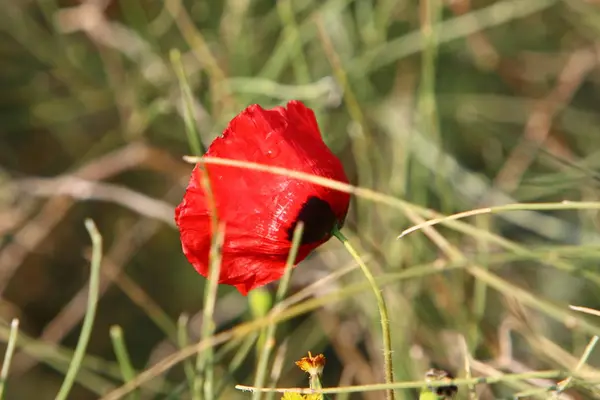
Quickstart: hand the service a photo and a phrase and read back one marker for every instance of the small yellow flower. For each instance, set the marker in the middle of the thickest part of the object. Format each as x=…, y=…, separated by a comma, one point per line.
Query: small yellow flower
x=292, y=396
x=298, y=396
x=313, y=365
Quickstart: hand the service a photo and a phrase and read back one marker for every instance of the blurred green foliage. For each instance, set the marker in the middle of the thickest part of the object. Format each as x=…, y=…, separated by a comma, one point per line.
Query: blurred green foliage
x=448, y=105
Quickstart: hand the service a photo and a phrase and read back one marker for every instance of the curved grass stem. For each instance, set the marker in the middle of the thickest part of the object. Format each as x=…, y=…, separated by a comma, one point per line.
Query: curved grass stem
x=383, y=313
x=88, y=320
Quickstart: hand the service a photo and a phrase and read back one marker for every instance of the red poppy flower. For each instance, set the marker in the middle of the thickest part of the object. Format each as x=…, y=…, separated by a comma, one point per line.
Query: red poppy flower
x=260, y=210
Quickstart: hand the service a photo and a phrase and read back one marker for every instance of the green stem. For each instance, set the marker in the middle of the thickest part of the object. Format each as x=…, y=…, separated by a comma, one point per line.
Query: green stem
x=383, y=313
x=120, y=349
x=268, y=334
x=88, y=320
x=183, y=341
x=188, y=105
x=10, y=349
x=205, y=361
x=314, y=382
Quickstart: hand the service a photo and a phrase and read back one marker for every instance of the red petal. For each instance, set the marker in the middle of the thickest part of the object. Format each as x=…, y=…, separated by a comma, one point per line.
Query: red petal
x=258, y=208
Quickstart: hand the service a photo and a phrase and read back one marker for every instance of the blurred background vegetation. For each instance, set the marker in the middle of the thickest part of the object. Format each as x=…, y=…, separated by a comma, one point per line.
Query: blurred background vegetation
x=449, y=105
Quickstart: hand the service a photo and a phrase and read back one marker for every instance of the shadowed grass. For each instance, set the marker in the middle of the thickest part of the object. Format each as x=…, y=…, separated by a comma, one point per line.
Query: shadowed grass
x=424, y=102
x=348, y=292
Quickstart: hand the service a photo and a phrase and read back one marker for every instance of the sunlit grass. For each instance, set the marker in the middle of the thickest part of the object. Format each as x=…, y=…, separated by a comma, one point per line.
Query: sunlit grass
x=423, y=101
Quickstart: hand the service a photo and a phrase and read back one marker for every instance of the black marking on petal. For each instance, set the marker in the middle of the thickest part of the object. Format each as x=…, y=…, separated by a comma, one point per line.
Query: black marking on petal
x=318, y=218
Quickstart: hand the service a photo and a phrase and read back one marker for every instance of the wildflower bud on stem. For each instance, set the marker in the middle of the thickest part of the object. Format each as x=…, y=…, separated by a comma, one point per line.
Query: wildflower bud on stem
x=314, y=367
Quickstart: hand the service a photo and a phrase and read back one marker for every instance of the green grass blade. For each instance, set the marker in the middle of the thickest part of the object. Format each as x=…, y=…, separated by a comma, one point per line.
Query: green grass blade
x=263, y=361
x=120, y=349
x=183, y=341
x=10, y=349
x=205, y=360
x=88, y=321
x=188, y=105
